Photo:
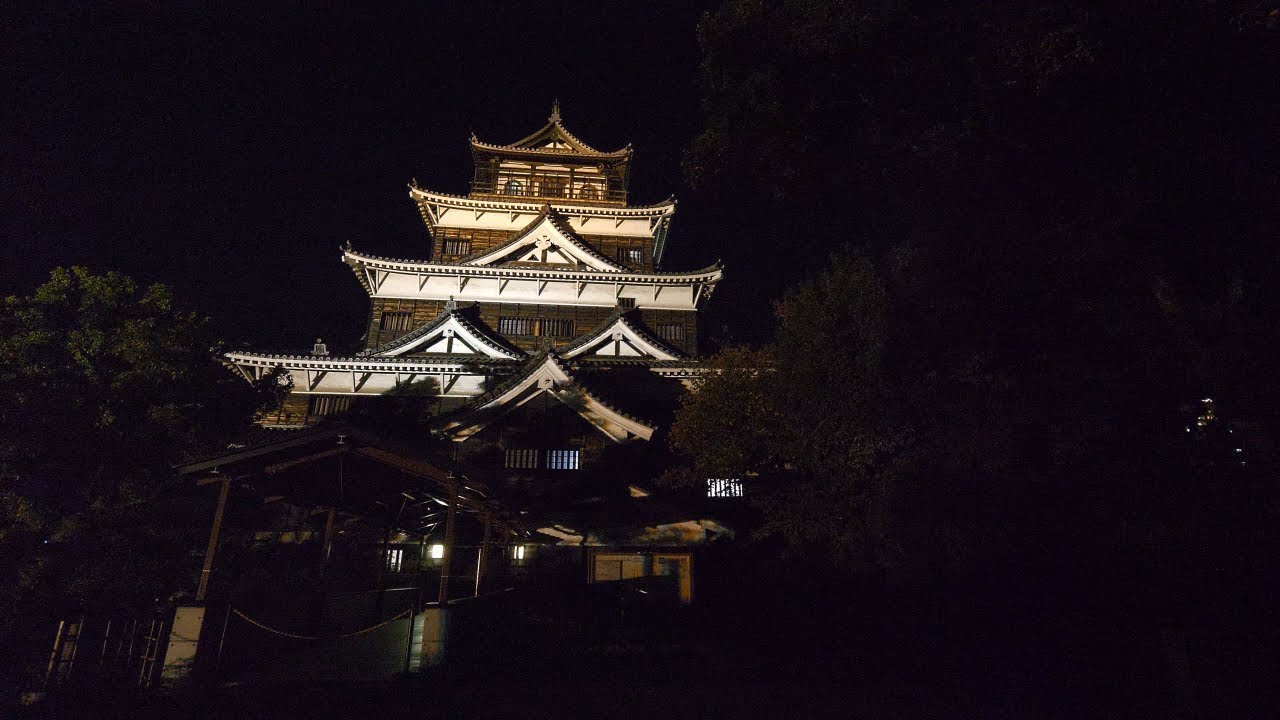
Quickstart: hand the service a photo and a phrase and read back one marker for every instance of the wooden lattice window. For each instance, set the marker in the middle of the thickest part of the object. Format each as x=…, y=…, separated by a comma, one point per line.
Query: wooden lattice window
x=588, y=192
x=395, y=559
x=557, y=327
x=522, y=459
x=397, y=320
x=671, y=331
x=329, y=405
x=631, y=255
x=542, y=327
x=513, y=187
x=562, y=459
x=457, y=247
x=724, y=487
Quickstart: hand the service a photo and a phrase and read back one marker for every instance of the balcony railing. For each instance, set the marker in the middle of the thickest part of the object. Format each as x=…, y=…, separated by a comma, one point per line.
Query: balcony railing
x=550, y=186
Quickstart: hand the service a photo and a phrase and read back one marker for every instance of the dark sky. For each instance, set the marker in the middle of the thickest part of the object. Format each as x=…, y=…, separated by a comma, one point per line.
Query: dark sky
x=229, y=152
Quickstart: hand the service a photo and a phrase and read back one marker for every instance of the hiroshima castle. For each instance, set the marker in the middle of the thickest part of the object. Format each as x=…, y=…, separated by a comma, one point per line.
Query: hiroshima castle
x=541, y=283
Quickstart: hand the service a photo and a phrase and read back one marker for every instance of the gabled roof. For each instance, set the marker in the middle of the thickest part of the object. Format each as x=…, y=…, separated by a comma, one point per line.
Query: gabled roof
x=547, y=239
x=551, y=139
x=449, y=334
x=545, y=374
x=617, y=336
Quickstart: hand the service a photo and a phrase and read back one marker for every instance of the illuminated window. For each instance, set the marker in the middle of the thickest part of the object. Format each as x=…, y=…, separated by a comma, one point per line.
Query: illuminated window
x=562, y=459
x=457, y=247
x=524, y=459
x=724, y=487
x=517, y=552
x=671, y=331
x=437, y=552
x=394, y=559
x=395, y=321
x=514, y=187
x=631, y=255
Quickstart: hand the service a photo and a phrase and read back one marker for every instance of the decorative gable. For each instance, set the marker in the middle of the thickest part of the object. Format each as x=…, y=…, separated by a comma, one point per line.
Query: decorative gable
x=449, y=334
x=618, y=337
x=547, y=375
x=548, y=240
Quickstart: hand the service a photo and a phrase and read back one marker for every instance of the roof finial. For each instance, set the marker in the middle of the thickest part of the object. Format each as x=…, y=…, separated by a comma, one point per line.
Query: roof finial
x=319, y=349
x=555, y=111
x=450, y=305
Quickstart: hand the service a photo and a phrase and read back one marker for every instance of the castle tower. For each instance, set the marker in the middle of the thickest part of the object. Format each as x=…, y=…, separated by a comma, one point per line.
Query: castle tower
x=539, y=275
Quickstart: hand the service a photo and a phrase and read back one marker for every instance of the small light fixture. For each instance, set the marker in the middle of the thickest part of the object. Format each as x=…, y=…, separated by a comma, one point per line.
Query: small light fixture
x=437, y=552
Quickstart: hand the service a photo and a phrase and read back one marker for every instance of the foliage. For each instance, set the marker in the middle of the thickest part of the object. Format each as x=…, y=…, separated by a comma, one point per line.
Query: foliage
x=1052, y=225
x=105, y=385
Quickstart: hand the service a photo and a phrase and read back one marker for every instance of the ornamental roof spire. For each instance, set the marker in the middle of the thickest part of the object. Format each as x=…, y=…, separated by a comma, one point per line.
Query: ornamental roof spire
x=555, y=111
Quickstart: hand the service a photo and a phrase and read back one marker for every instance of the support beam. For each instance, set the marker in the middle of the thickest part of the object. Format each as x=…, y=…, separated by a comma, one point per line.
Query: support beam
x=482, y=558
x=212, y=548
x=450, y=521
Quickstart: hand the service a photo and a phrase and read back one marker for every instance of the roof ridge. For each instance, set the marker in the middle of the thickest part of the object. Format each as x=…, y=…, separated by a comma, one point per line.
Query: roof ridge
x=441, y=319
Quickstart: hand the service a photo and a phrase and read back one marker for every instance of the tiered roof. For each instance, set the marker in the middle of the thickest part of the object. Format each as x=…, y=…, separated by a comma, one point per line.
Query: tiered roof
x=551, y=139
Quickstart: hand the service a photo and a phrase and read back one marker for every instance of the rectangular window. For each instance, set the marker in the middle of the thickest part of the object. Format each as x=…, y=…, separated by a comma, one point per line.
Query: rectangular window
x=395, y=557
x=396, y=320
x=517, y=552
x=627, y=303
x=457, y=247
x=631, y=255
x=329, y=405
x=557, y=327
x=724, y=487
x=437, y=552
x=541, y=327
x=671, y=331
x=562, y=459
x=515, y=326
x=522, y=459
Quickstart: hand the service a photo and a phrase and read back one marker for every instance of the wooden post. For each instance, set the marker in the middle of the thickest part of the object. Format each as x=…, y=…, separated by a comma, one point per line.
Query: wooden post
x=213, y=540
x=448, y=544
x=328, y=536
x=483, y=556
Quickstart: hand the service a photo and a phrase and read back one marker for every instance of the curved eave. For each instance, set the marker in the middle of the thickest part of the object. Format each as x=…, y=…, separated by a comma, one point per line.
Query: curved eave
x=577, y=150
x=708, y=275
x=462, y=202
x=358, y=364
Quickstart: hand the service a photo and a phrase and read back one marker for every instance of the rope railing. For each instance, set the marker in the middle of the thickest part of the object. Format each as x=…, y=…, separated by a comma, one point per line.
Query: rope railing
x=296, y=636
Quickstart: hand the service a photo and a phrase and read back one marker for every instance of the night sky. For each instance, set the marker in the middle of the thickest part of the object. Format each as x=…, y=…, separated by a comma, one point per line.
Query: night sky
x=230, y=152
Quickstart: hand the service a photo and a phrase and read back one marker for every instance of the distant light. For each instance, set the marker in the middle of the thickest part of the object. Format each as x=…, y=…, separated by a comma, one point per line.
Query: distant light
x=437, y=552
x=1239, y=449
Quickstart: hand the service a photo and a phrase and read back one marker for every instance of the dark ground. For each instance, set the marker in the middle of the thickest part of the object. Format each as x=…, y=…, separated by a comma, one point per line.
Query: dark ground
x=821, y=654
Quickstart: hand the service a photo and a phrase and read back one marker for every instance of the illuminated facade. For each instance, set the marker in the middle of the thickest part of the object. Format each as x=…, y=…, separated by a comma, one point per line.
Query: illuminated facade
x=541, y=328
